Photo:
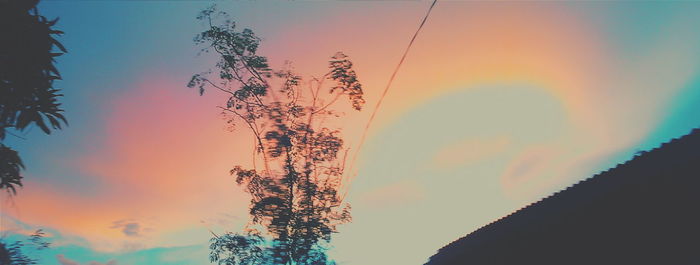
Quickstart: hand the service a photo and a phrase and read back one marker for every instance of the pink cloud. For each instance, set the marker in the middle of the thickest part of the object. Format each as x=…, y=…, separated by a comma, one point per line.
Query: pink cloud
x=163, y=161
x=397, y=194
x=525, y=173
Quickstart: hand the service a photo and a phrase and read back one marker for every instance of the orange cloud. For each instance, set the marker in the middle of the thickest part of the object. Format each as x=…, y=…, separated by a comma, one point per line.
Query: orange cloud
x=65, y=261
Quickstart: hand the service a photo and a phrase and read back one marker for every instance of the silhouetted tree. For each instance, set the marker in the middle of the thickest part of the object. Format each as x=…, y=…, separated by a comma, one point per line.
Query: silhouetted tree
x=27, y=72
x=295, y=199
x=16, y=253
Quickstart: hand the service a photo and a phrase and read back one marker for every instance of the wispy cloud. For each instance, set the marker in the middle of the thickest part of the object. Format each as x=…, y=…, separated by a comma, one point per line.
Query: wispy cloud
x=65, y=261
x=128, y=227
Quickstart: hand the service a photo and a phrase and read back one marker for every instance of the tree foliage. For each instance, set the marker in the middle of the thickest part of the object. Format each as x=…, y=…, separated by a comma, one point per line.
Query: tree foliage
x=15, y=253
x=27, y=73
x=295, y=205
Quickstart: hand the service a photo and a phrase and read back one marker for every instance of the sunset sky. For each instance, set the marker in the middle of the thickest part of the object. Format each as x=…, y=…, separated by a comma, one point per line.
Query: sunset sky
x=497, y=105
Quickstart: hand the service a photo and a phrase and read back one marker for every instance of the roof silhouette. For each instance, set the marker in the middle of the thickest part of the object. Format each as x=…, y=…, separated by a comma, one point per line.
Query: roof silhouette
x=643, y=211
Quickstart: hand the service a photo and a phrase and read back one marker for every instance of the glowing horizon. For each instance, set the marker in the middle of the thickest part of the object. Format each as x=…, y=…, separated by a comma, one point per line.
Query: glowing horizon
x=497, y=105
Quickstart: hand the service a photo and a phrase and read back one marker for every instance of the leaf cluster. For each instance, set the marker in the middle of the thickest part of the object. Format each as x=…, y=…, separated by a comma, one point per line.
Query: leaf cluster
x=27, y=70
x=294, y=194
x=27, y=96
x=17, y=252
x=10, y=167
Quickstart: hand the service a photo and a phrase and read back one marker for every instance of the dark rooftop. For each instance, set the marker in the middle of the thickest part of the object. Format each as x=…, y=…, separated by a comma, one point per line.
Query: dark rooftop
x=644, y=211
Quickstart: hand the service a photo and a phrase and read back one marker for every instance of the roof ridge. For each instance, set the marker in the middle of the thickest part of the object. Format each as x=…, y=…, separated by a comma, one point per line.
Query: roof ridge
x=638, y=155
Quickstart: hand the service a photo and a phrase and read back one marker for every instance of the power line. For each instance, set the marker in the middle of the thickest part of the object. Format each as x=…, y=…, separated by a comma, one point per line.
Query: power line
x=386, y=90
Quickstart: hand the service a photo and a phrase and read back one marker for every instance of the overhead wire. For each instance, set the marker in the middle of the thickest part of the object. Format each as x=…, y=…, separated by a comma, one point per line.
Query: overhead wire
x=383, y=95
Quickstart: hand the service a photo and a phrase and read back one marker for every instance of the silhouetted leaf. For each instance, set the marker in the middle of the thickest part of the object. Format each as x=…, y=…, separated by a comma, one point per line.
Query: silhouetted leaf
x=295, y=196
x=27, y=95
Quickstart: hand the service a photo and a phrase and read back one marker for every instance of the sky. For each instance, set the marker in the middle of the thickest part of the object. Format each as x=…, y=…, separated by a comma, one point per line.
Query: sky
x=497, y=105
